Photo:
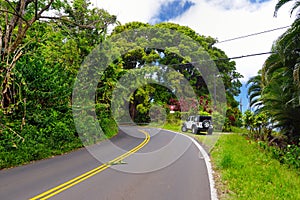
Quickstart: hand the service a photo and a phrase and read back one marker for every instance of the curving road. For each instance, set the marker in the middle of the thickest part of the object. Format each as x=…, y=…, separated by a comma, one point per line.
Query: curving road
x=139, y=163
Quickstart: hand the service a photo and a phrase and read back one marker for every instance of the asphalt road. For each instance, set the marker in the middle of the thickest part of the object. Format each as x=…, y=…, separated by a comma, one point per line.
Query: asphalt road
x=167, y=166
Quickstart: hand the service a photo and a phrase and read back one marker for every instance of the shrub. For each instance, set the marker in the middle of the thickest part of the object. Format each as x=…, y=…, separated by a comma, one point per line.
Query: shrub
x=174, y=118
x=289, y=155
x=109, y=127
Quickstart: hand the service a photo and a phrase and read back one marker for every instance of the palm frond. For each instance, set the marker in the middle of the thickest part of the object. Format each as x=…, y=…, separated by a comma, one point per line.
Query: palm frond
x=279, y=4
x=296, y=5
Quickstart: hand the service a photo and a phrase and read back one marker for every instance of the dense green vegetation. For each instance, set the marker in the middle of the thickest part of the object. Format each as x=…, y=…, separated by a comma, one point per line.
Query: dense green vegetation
x=274, y=95
x=39, y=62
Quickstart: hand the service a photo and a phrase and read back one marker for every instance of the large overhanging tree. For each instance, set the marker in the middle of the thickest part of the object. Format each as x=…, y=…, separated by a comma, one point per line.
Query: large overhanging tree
x=139, y=58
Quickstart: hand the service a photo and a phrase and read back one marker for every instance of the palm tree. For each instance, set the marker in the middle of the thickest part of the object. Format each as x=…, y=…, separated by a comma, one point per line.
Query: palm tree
x=255, y=90
x=280, y=76
x=278, y=103
x=280, y=87
x=289, y=46
x=272, y=64
x=275, y=91
x=280, y=3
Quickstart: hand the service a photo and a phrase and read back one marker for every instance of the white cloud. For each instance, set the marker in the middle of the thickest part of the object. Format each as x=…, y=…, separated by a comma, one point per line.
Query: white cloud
x=231, y=4
x=130, y=10
x=215, y=19
x=221, y=19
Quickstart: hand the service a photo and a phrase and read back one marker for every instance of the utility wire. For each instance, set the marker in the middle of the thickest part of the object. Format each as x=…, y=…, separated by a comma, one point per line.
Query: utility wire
x=232, y=58
x=253, y=34
x=224, y=59
x=249, y=55
x=219, y=59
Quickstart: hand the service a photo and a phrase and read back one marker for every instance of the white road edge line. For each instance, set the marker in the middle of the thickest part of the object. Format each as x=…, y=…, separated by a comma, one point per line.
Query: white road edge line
x=213, y=191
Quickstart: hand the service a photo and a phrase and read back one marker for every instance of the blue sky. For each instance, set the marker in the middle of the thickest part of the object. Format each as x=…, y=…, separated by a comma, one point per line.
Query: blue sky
x=171, y=10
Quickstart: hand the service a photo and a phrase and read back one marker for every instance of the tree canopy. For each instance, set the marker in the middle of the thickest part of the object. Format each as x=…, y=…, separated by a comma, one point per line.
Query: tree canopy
x=140, y=57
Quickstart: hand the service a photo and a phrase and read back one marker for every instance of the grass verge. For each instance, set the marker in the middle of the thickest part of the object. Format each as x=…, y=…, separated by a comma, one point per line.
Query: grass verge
x=244, y=171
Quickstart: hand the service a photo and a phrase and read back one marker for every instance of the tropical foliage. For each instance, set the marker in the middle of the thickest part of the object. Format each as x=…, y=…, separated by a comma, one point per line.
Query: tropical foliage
x=280, y=3
x=275, y=91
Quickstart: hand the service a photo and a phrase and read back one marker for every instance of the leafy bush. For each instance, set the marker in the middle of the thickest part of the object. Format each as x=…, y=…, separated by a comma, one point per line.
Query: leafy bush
x=290, y=155
x=37, y=139
x=218, y=120
x=109, y=127
x=174, y=118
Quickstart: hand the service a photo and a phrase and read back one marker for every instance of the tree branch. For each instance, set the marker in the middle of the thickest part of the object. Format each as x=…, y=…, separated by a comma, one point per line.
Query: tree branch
x=21, y=35
x=14, y=132
x=44, y=9
x=21, y=13
x=85, y=26
x=13, y=6
x=7, y=11
x=1, y=34
x=36, y=8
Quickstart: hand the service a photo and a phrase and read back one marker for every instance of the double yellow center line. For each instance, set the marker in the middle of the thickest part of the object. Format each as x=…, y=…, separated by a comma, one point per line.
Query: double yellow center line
x=78, y=179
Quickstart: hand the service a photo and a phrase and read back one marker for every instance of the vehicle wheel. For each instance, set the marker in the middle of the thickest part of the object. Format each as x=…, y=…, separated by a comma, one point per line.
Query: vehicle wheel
x=183, y=128
x=206, y=124
x=194, y=130
x=210, y=131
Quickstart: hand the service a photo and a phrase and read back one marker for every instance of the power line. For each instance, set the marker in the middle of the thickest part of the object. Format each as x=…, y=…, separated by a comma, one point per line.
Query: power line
x=220, y=59
x=253, y=34
x=249, y=55
x=232, y=58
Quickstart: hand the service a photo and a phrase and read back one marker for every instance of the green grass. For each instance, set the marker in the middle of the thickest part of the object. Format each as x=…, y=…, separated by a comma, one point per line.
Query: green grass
x=239, y=130
x=246, y=172
x=172, y=127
